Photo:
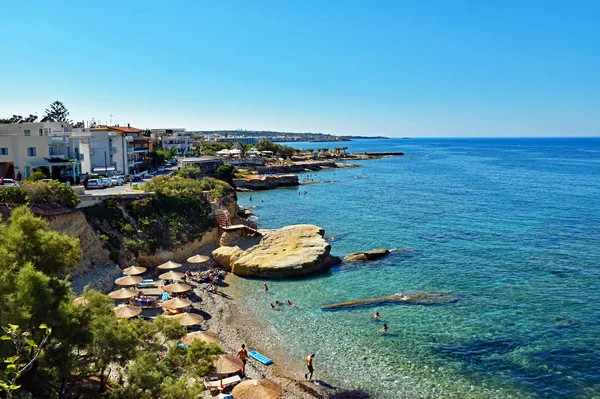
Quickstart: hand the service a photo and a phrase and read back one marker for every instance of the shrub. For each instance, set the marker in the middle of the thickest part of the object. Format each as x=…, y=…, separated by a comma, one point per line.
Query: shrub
x=36, y=176
x=13, y=195
x=53, y=192
x=168, y=185
x=190, y=172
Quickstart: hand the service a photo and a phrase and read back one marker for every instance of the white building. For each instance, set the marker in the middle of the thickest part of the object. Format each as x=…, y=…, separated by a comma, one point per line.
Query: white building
x=178, y=141
x=48, y=147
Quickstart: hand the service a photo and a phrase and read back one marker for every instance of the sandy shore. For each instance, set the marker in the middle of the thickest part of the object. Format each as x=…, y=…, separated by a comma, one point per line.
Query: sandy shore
x=236, y=327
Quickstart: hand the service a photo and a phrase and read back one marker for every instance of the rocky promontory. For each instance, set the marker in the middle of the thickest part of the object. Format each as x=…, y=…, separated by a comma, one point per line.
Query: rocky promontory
x=291, y=251
x=265, y=182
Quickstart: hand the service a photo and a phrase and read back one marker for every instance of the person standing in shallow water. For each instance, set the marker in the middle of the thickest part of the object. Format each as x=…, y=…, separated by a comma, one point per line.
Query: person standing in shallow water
x=266, y=287
x=309, y=365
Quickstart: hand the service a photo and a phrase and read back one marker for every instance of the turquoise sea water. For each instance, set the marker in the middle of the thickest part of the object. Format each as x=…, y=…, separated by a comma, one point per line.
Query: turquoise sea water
x=512, y=225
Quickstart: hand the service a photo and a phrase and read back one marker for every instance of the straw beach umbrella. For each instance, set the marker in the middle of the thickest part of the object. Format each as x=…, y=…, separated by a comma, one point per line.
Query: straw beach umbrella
x=205, y=336
x=169, y=265
x=80, y=301
x=126, y=312
x=171, y=275
x=227, y=364
x=257, y=389
x=188, y=319
x=176, y=288
x=123, y=293
x=134, y=270
x=128, y=280
x=198, y=259
x=176, y=303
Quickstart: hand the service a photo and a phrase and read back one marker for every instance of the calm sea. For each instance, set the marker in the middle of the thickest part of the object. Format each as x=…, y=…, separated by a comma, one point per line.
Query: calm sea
x=512, y=225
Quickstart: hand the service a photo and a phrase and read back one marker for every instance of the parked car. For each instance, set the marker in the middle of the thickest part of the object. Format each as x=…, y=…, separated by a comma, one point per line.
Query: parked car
x=94, y=183
x=10, y=182
x=138, y=177
x=116, y=180
x=161, y=168
x=106, y=182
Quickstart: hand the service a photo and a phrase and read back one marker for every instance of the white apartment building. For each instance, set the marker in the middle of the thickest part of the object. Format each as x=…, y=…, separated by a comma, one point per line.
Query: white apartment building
x=103, y=152
x=178, y=141
x=48, y=147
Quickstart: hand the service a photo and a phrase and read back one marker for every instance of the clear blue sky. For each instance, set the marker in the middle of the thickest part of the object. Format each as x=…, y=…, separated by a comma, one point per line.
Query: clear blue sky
x=397, y=68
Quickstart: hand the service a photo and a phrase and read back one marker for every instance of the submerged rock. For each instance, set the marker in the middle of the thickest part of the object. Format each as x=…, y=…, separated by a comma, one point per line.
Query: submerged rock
x=366, y=255
x=409, y=298
x=292, y=251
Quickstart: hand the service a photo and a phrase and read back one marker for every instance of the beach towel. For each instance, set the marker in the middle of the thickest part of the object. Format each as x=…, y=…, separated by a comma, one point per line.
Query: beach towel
x=260, y=357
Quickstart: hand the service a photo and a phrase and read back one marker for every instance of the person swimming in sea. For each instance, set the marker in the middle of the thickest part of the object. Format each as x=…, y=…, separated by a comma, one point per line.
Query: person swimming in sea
x=291, y=304
x=274, y=307
x=266, y=287
x=375, y=316
x=384, y=329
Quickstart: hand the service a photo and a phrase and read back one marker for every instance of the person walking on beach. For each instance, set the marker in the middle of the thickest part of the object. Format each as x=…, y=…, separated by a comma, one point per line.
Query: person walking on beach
x=243, y=356
x=309, y=365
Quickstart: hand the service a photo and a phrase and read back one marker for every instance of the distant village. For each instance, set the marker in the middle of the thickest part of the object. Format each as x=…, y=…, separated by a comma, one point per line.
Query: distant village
x=67, y=150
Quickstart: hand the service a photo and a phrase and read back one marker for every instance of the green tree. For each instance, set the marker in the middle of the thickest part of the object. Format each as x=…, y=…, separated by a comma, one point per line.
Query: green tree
x=58, y=112
x=226, y=172
x=26, y=352
x=27, y=239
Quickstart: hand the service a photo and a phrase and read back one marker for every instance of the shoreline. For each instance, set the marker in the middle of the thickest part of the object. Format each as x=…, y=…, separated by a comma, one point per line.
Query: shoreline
x=236, y=327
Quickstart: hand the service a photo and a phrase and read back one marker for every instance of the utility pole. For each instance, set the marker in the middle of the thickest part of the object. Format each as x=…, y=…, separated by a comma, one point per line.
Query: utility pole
x=105, y=166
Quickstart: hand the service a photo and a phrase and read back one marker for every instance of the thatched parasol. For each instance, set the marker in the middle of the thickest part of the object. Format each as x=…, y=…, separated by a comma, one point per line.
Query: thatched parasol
x=169, y=265
x=80, y=301
x=176, y=303
x=171, y=275
x=134, y=270
x=227, y=364
x=198, y=259
x=257, y=389
x=206, y=336
x=188, y=319
x=128, y=280
x=177, y=288
x=126, y=312
x=123, y=293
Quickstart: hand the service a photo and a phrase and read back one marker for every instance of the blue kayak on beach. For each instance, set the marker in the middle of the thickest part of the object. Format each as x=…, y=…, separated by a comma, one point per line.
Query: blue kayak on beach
x=259, y=357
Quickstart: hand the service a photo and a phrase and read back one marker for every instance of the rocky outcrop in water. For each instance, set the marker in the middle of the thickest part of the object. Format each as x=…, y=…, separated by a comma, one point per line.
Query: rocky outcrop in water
x=291, y=251
x=266, y=182
x=366, y=255
x=408, y=298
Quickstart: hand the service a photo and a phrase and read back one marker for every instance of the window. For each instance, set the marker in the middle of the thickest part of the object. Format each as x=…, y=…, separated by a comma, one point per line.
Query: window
x=50, y=150
x=3, y=151
x=47, y=130
x=31, y=152
x=27, y=132
x=41, y=132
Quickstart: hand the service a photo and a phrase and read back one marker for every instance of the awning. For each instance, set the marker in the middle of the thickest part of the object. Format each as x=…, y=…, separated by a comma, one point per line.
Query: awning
x=103, y=169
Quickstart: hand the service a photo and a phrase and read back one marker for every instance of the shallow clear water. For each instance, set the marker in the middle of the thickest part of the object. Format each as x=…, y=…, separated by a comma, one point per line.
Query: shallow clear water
x=513, y=225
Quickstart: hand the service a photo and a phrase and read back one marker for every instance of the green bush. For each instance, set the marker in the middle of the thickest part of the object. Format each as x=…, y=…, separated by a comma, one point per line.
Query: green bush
x=190, y=172
x=13, y=195
x=36, y=176
x=168, y=185
x=52, y=192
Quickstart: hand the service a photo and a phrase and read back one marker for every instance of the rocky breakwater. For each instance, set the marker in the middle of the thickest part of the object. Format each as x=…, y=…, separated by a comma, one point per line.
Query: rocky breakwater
x=407, y=298
x=269, y=182
x=292, y=251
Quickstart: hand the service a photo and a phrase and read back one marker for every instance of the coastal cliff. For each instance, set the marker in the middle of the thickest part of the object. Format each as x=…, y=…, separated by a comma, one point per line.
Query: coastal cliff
x=292, y=251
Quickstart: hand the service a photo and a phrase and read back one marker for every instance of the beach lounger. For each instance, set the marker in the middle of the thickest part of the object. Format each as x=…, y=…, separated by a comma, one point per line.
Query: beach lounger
x=227, y=382
x=260, y=357
x=147, y=283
